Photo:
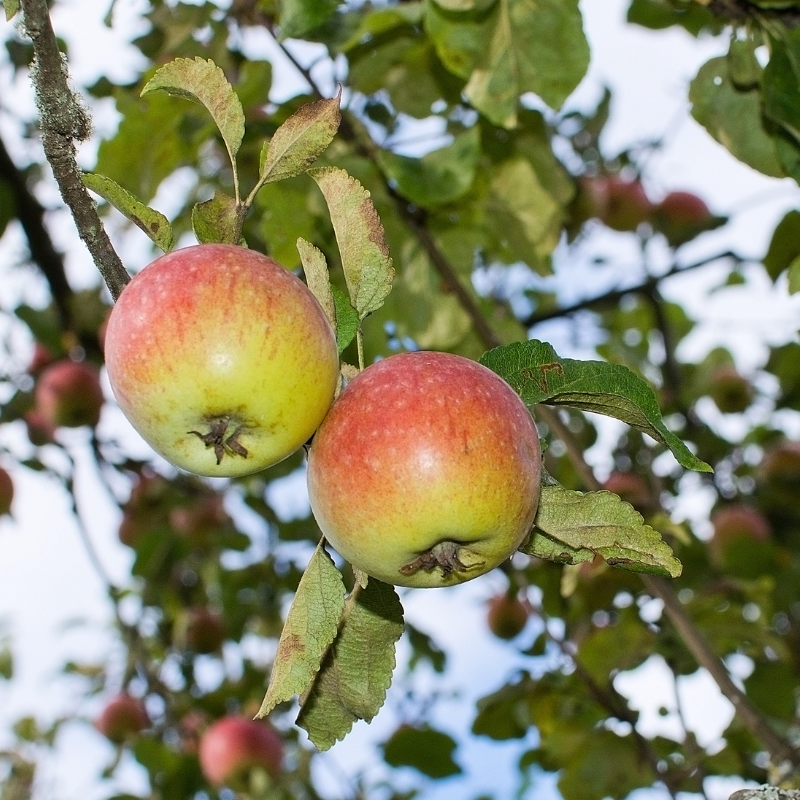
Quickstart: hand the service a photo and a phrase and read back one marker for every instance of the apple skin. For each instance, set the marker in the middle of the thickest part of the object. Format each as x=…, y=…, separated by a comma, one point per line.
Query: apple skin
x=6, y=492
x=221, y=359
x=68, y=394
x=123, y=717
x=736, y=526
x=506, y=616
x=426, y=471
x=201, y=629
x=683, y=208
x=625, y=205
x=233, y=745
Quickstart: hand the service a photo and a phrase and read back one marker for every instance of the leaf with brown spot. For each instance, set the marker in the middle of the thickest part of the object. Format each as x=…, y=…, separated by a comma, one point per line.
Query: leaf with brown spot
x=311, y=626
x=359, y=234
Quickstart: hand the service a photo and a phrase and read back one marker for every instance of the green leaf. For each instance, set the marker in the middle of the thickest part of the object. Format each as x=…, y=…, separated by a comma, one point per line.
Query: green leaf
x=521, y=46
x=216, y=220
x=784, y=247
x=733, y=117
x=439, y=177
x=311, y=626
x=425, y=749
x=597, y=523
x=318, y=280
x=205, y=83
x=153, y=223
x=11, y=7
x=298, y=17
x=660, y=14
x=794, y=276
x=6, y=663
x=359, y=234
x=357, y=669
x=300, y=140
x=538, y=375
x=505, y=714
x=347, y=322
x=779, y=84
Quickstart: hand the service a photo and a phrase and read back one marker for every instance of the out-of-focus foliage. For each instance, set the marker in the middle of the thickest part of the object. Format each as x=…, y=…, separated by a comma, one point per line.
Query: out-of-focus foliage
x=510, y=172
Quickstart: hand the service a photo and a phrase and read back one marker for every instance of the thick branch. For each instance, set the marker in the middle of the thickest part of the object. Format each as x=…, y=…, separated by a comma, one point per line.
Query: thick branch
x=31, y=217
x=63, y=122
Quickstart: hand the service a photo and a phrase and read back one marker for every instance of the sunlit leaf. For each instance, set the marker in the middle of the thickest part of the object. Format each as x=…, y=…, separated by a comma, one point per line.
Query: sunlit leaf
x=539, y=376
x=205, y=83
x=152, y=222
x=310, y=628
x=11, y=7
x=215, y=220
x=298, y=17
x=360, y=237
x=572, y=527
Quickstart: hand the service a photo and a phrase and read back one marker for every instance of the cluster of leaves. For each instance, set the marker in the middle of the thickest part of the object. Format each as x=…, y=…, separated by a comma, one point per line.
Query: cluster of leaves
x=494, y=195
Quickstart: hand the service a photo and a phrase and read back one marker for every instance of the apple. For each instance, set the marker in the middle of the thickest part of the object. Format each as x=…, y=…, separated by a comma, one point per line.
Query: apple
x=6, y=492
x=123, y=717
x=778, y=477
x=41, y=357
x=680, y=216
x=507, y=615
x=221, y=359
x=68, y=394
x=736, y=527
x=234, y=745
x=201, y=630
x=426, y=471
x=625, y=205
x=731, y=392
x=201, y=518
x=40, y=430
x=632, y=488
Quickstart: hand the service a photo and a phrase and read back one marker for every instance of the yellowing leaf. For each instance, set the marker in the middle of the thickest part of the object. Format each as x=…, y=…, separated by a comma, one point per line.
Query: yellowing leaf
x=298, y=143
x=152, y=222
x=572, y=527
x=357, y=669
x=216, y=220
x=359, y=234
x=205, y=83
x=309, y=630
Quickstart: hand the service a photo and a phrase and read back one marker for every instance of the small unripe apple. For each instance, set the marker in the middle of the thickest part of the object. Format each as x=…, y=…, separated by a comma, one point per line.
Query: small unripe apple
x=632, y=488
x=731, y=392
x=735, y=527
x=234, y=745
x=426, y=471
x=123, y=717
x=68, y=394
x=507, y=616
x=201, y=629
x=221, y=359
x=626, y=204
x=6, y=492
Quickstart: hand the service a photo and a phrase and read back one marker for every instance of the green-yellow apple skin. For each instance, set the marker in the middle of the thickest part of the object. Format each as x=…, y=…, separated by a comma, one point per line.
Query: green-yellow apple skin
x=221, y=359
x=426, y=471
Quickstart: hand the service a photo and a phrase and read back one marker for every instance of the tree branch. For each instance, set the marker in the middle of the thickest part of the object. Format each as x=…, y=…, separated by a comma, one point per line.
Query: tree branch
x=63, y=122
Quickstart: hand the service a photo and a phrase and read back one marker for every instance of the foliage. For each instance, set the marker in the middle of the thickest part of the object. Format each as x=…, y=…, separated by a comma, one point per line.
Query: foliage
x=391, y=239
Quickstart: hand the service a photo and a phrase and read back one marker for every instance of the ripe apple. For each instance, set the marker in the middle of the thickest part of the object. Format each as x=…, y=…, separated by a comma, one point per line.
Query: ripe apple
x=426, y=471
x=68, y=394
x=683, y=208
x=626, y=205
x=731, y=392
x=632, y=488
x=736, y=527
x=201, y=630
x=6, y=492
x=507, y=615
x=123, y=717
x=221, y=359
x=233, y=745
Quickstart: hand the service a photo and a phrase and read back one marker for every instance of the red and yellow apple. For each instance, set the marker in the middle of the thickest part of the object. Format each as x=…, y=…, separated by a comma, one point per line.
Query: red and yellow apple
x=221, y=359
x=234, y=745
x=625, y=204
x=123, y=717
x=68, y=394
x=426, y=471
x=507, y=615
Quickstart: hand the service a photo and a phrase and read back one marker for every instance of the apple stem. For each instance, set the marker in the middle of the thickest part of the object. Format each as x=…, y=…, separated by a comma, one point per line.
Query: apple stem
x=216, y=438
x=447, y=556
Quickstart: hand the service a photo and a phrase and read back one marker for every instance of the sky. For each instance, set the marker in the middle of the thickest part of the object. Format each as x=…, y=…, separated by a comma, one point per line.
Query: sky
x=46, y=581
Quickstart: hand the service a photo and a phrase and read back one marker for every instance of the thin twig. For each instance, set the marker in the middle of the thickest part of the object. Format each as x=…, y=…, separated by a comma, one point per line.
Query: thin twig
x=63, y=122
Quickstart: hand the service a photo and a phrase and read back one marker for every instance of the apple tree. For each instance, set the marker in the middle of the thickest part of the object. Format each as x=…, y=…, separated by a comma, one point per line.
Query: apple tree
x=431, y=182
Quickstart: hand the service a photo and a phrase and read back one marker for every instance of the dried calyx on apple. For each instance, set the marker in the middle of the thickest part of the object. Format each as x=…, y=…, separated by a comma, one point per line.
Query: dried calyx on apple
x=221, y=359
x=426, y=471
